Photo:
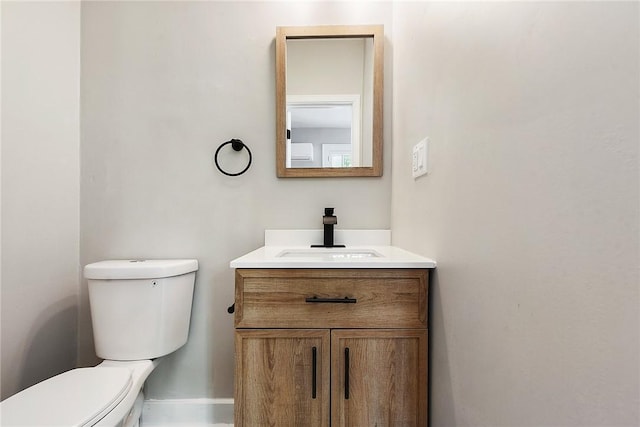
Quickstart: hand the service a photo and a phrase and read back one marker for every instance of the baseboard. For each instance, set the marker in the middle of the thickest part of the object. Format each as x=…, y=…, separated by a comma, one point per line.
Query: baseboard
x=194, y=412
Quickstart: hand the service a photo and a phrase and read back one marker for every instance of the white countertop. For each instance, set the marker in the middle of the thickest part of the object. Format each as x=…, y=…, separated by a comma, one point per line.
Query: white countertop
x=364, y=249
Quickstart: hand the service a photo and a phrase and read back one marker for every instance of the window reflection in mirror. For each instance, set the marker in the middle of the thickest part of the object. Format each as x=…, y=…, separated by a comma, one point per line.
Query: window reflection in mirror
x=329, y=101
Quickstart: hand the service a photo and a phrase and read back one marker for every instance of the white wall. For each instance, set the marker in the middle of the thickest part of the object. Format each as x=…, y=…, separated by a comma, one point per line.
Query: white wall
x=325, y=66
x=40, y=190
x=531, y=206
x=163, y=84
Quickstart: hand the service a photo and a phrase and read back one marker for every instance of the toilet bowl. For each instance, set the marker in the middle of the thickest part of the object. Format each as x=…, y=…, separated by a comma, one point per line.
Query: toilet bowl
x=140, y=311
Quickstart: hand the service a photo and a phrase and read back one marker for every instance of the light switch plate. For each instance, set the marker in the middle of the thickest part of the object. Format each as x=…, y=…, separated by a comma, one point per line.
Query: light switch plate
x=419, y=158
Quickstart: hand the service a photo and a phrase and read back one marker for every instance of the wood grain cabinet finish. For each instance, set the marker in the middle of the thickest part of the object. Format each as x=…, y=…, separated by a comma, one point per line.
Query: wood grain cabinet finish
x=334, y=362
x=281, y=377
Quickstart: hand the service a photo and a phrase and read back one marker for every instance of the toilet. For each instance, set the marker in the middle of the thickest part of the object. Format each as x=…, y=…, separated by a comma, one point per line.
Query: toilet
x=140, y=311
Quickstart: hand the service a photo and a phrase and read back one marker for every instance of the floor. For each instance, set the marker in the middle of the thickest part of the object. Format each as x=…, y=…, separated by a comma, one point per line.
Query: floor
x=173, y=424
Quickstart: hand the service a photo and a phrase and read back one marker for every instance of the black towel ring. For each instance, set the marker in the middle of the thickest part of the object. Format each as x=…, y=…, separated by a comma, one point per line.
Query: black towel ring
x=237, y=145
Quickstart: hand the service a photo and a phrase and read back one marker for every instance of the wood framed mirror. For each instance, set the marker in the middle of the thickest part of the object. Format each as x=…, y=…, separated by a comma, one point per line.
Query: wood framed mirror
x=329, y=85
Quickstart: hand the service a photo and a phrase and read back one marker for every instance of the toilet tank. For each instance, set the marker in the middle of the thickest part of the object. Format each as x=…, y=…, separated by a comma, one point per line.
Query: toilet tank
x=140, y=309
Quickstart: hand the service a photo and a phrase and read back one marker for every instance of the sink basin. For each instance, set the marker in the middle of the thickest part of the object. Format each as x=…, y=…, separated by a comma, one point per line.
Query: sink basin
x=329, y=253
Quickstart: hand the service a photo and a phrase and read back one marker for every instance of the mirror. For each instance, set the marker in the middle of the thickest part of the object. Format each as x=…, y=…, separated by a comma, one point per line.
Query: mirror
x=329, y=83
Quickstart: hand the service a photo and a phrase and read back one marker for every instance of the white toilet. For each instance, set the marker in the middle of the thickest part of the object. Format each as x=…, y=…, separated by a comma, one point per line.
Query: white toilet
x=140, y=311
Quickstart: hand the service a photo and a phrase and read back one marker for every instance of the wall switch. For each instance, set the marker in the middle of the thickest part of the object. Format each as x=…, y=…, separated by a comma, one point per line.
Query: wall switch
x=419, y=158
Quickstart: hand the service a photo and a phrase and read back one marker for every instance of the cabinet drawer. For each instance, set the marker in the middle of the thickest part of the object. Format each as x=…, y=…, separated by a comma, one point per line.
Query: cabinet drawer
x=310, y=298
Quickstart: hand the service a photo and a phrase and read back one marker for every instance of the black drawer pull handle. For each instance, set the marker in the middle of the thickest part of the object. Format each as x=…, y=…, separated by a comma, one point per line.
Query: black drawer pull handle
x=345, y=300
x=314, y=375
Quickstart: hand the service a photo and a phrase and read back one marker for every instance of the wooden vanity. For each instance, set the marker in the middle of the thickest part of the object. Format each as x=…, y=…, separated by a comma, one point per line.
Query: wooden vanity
x=331, y=347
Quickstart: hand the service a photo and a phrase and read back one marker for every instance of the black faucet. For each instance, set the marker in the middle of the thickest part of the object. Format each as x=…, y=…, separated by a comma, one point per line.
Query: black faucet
x=329, y=220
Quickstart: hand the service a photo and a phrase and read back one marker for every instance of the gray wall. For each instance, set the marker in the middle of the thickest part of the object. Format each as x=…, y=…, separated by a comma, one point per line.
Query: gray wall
x=531, y=206
x=163, y=84
x=40, y=191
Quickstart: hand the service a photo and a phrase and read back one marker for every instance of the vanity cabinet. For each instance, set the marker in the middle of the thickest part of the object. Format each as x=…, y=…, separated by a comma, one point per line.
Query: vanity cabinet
x=331, y=347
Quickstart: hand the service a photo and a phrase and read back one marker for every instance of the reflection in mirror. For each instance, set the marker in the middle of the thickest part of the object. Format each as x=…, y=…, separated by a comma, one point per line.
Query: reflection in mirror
x=329, y=101
x=324, y=97
x=320, y=120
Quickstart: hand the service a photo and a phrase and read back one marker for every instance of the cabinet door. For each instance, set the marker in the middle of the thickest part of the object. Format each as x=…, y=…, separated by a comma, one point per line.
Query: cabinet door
x=282, y=378
x=379, y=378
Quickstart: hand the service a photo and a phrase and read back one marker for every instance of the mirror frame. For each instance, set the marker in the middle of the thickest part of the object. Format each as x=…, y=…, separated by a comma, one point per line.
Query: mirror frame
x=323, y=32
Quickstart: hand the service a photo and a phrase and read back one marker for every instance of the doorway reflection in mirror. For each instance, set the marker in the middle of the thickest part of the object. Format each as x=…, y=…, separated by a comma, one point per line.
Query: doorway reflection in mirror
x=316, y=121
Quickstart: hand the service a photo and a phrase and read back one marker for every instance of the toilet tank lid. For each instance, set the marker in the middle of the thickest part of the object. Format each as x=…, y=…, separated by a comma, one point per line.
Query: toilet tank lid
x=139, y=268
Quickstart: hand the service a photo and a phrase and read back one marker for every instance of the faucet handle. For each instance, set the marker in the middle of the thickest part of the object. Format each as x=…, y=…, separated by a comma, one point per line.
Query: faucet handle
x=329, y=220
x=328, y=211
